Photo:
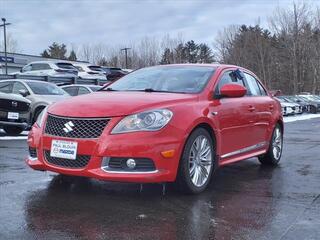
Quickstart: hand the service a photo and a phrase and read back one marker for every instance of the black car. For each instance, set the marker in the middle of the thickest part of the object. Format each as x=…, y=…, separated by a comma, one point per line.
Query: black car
x=113, y=73
x=14, y=113
x=305, y=105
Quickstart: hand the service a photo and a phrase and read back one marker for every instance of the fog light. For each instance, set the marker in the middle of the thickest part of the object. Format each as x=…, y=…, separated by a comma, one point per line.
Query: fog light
x=131, y=163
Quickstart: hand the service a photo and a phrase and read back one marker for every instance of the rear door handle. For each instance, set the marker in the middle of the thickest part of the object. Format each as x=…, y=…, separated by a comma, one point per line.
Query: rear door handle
x=271, y=107
x=251, y=108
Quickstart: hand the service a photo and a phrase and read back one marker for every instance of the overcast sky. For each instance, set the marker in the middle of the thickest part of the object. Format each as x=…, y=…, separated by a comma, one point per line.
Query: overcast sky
x=38, y=23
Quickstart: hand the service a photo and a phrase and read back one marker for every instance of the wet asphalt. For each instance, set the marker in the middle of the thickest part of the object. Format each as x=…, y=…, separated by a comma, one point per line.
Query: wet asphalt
x=244, y=201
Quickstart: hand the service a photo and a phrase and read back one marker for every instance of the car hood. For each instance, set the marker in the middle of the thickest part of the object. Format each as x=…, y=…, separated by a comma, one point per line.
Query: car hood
x=15, y=97
x=51, y=98
x=112, y=104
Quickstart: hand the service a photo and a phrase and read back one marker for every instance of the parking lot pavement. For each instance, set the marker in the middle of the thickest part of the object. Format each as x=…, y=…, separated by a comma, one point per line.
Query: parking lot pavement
x=244, y=201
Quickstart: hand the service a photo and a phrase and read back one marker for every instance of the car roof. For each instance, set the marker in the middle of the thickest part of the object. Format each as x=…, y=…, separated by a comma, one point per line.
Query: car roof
x=50, y=61
x=24, y=80
x=81, y=85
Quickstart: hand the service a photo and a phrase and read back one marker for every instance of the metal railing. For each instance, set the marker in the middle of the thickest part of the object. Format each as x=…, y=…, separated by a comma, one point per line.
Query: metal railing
x=56, y=80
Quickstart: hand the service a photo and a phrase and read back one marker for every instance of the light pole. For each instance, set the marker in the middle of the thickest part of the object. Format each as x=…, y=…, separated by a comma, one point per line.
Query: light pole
x=5, y=42
x=126, y=53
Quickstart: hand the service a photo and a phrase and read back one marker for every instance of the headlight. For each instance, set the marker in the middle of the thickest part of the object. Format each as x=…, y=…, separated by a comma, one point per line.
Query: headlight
x=146, y=121
x=41, y=116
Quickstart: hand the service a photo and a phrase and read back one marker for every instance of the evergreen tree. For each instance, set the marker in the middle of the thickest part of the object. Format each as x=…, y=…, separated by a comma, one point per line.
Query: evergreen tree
x=180, y=54
x=45, y=54
x=192, y=50
x=167, y=57
x=205, y=54
x=56, y=51
x=72, y=56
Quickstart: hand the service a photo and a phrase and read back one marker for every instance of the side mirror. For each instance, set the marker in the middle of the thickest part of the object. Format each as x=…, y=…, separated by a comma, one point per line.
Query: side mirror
x=24, y=93
x=233, y=90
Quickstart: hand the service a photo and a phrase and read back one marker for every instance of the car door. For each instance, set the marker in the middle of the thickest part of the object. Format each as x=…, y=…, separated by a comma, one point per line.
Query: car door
x=264, y=107
x=234, y=118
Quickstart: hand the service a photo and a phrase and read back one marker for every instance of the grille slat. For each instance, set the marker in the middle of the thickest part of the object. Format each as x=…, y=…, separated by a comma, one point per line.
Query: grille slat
x=80, y=162
x=81, y=128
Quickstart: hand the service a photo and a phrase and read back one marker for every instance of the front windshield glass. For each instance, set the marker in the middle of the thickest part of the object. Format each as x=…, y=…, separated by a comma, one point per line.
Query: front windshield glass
x=177, y=79
x=43, y=88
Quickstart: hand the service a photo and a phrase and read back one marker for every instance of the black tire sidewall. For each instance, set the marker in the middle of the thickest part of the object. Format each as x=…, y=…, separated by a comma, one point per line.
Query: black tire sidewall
x=184, y=175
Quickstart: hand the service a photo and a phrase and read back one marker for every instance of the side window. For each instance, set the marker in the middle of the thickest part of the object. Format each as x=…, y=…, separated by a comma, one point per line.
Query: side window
x=26, y=68
x=253, y=86
x=45, y=66
x=262, y=90
x=17, y=86
x=35, y=67
x=83, y=90
x=226, y=78
x=73, y=91
x=6, y=87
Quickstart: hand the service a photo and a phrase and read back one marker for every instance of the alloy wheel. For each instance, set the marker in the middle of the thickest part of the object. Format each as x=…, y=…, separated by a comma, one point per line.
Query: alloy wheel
x=277, y=144
x=200, y=161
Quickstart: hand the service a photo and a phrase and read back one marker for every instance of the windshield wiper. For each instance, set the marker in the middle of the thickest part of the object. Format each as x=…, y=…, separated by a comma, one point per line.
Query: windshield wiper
x=154, y=90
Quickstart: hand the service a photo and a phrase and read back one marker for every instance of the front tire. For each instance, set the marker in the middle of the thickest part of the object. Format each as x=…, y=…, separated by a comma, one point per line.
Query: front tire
x=196, y=163
x=273, y=155
x=13, y=130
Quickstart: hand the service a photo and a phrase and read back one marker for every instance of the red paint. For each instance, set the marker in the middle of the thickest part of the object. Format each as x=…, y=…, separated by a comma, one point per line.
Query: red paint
x=239, y=123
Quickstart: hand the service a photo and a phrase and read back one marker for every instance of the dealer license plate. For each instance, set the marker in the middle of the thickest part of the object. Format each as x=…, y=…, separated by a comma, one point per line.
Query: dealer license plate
x=13, y=115
x=64, y=149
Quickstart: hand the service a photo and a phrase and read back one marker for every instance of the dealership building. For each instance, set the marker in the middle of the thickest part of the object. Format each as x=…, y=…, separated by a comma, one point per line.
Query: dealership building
x=16, y=61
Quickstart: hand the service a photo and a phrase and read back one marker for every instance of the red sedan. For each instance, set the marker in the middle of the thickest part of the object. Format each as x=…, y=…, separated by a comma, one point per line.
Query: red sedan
x=161, y=124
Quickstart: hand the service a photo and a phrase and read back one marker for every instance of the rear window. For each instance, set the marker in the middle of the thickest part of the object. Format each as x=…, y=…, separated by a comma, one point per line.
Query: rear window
x=95, y=68
x=66, y=66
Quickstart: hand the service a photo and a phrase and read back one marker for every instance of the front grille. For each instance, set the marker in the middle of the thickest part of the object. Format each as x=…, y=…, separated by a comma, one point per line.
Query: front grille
x=80, y=162
x=119, y=164
x=32, y=152
x=14, y=106
x=75, y=127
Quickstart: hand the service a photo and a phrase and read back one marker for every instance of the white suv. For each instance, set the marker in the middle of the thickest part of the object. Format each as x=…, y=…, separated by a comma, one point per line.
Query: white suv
x=50, y=68
x=90, y=71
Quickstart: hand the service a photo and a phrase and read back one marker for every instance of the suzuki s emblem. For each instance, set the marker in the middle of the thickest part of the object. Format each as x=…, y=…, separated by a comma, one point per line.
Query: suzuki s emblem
x=14, y=104
x=68, y=127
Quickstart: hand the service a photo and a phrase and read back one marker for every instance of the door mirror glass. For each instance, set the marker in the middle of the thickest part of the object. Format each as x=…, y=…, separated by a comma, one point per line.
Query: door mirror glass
x=232, y=90
x=24, y=92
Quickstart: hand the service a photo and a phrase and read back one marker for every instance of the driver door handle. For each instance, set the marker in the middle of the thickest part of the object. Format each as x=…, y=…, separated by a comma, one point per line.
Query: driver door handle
x=251, y=108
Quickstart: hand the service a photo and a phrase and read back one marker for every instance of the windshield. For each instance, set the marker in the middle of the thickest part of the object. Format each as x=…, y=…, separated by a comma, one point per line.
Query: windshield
x=43, y=88
x=178, y=79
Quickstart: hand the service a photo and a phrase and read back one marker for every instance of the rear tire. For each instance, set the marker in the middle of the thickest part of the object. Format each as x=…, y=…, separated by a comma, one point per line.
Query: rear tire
x=13, y=130
x=313, y=109
x=196, y=163
x=273, y=155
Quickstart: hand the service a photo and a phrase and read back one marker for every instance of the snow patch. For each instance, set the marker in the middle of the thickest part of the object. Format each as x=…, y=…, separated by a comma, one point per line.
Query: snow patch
x=300, y=117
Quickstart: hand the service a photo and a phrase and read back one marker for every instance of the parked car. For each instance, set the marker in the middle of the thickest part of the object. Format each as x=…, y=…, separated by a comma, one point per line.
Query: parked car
x=41, y=94
x=297, y=108
x=90, y=71
x=161, y=124
x=286, y=107
x=49, y=68
x=80, y=89
x=113, y=73
x=305, y=105
x=14, y=113
x=314, y=102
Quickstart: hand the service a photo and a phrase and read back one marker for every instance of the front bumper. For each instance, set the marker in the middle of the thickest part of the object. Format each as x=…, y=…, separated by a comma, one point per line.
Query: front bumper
x=130, y=145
